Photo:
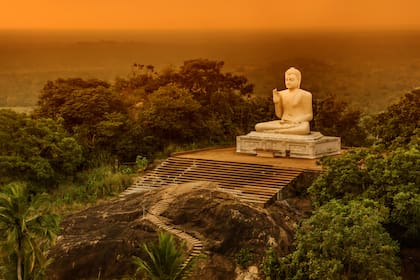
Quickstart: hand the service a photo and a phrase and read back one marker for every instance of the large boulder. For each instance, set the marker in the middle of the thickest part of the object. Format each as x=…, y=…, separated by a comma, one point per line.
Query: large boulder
x=99, y=242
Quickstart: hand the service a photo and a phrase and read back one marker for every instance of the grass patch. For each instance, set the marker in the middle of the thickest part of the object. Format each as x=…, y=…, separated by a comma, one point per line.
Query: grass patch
x=89, y=187
x=20, y=109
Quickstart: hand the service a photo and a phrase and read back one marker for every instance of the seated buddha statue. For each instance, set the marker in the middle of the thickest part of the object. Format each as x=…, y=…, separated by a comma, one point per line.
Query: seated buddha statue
x=293, y=107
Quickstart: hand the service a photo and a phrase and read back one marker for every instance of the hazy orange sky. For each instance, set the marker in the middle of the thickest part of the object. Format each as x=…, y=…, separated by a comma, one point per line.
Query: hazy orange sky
x=206, y=14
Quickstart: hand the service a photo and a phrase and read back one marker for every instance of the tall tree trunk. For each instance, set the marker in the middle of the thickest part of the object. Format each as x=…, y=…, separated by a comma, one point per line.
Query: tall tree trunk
x=19, y=267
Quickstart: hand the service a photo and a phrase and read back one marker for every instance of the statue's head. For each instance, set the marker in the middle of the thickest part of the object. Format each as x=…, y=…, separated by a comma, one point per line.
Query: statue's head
x=292, y=78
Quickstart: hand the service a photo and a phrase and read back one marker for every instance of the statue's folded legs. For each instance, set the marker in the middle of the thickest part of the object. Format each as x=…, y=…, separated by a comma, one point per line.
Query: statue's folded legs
x=284, y=127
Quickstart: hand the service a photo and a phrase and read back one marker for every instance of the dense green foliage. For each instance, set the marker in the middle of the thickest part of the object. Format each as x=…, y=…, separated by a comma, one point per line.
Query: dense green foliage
x=90, y=185
x=37, y=150
x=335, y=118
x=388, y=172
x=244, y=257
x=163, y=260
x=196, y=103
x=340, y=241
x=392, y=179
x=148, y=112
x=88, y=109
x=400, y=123
x=171, y=114
x=58, y=99
x=27, y=228
x=364, y=198
x=272, y=266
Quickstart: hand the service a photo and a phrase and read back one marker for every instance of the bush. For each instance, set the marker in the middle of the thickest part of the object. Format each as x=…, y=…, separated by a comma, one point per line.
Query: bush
x=399, y=124
x=141, y=162
x=163, y=259
x=102, y=182
x=343, y=241
x=391, y=179
x=271, y=266
x=36, y=150
x=244, y=257
x=335, y=117
x=92, y=184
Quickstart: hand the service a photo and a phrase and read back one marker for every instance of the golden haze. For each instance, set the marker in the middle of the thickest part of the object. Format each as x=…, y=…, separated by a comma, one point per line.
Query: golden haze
x=215, y=14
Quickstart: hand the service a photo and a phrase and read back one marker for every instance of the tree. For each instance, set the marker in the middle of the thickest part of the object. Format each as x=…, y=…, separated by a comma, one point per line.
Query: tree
x=27, y=228
x=226, y=108
x=163, y=260
x=390, y=178
x=172, y=115
x=89, y=110
x=37, y=150
x=399, y=187
x=345, y=177
x=343, y=241
x=56, y=93
x=204, y=77
x=198, y=103
x=334, y=117
x=85, y=110
x=400, y=123
x=142, y=81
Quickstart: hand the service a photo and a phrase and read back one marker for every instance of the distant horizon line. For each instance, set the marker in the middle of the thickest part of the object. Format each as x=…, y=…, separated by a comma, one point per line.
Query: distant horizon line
x=297, y=29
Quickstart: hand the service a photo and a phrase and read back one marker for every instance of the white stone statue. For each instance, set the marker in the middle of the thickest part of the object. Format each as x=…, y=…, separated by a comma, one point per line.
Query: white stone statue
x=293, y=107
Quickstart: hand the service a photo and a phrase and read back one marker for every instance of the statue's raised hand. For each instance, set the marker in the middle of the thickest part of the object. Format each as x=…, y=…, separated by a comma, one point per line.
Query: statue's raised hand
x=276, y=96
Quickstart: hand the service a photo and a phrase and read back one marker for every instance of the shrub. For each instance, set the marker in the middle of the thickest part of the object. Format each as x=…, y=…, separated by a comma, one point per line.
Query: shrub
x=244, y=257
x=163, y=259
x=343, y=241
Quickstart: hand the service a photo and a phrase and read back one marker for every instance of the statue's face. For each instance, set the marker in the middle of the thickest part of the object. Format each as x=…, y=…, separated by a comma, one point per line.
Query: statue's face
x=292, y=81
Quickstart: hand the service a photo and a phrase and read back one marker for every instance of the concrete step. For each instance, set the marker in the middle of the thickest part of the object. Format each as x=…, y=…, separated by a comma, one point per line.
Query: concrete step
x=220, y=170
x=249, y=182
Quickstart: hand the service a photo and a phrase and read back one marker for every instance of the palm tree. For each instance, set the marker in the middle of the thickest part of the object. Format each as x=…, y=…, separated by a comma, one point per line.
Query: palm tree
x=164, y=260
x=27, y=228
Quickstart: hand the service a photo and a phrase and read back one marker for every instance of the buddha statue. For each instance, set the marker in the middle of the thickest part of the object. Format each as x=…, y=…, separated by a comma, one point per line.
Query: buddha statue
x=293, y=107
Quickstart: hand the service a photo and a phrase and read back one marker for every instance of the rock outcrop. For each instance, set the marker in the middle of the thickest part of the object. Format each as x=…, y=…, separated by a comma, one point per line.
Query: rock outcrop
x=99, y=242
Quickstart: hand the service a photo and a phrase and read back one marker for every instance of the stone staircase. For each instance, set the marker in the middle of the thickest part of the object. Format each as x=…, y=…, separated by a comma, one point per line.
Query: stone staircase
x=194, y=245
x=259, y=184
x=251, y=183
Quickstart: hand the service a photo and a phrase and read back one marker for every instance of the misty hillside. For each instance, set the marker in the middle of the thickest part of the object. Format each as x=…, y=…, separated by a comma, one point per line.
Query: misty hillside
x=369, y=69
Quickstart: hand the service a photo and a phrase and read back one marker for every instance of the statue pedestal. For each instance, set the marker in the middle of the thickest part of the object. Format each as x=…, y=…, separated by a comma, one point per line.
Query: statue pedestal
x=311, y=146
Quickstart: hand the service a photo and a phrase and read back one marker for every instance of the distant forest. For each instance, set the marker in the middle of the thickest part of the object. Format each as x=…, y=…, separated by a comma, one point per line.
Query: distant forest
x=369, y=70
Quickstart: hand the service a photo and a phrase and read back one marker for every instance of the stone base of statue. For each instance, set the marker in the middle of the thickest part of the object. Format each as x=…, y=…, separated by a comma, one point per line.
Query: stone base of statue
x=311, y=146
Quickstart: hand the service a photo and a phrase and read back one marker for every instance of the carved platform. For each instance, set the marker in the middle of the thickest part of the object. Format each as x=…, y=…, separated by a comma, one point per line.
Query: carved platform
x=313, y=145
